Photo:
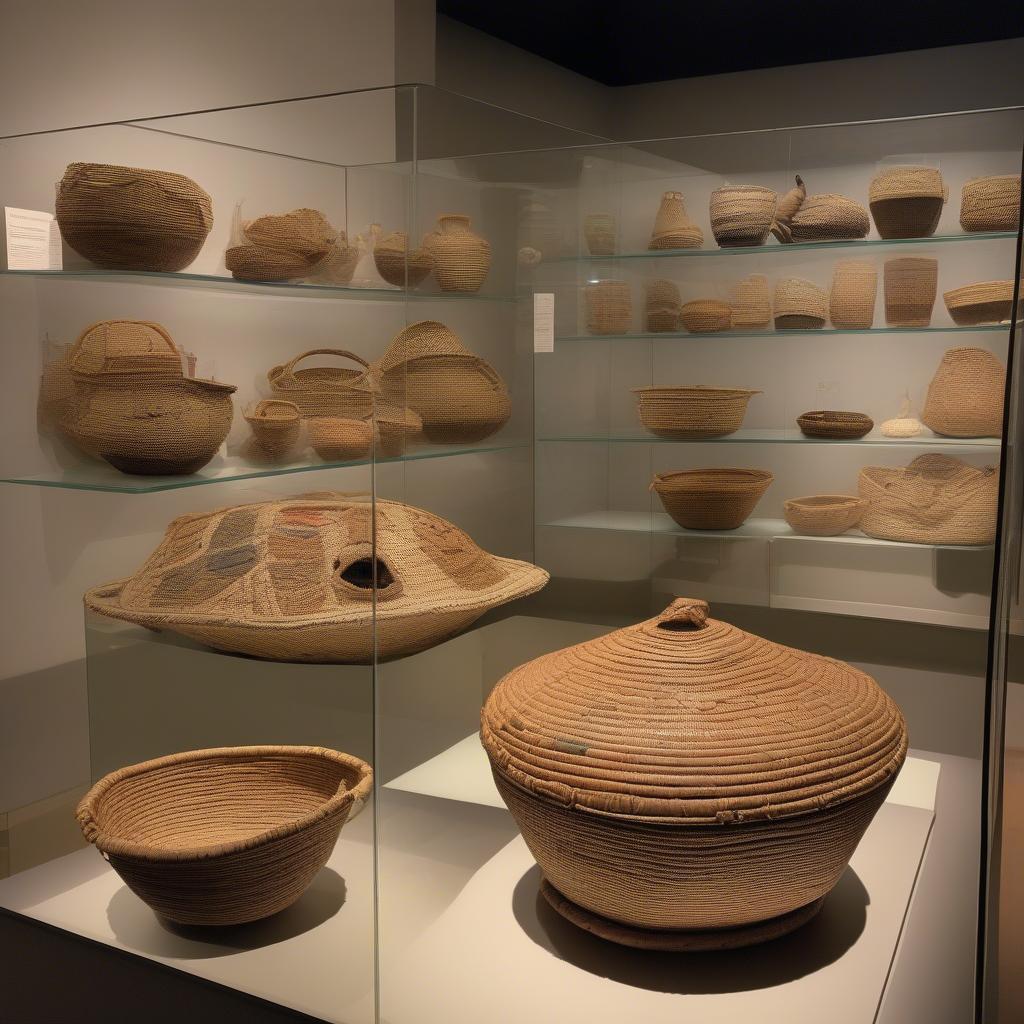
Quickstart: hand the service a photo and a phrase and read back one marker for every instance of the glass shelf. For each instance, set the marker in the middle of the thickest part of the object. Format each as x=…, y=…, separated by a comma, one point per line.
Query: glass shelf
x=769, y=333
x=98, y=476
x=785, y=436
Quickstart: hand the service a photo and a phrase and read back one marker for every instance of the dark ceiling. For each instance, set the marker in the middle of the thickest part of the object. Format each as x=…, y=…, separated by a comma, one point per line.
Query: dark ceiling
x=624, y=42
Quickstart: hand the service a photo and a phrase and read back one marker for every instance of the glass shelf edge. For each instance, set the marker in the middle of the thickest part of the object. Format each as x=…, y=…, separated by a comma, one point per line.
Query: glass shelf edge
x=766, y=333
x=876, y=442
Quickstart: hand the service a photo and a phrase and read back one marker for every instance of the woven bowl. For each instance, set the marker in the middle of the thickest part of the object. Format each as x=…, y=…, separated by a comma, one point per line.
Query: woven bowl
x=837, y=425
x=824, y=515
x=742, y=215
x=693, y=411
x=987, y=302
x=705, y=316
x=906, y=202
x=991, y=204
x=400, y=266
x=227, y=835
x=711, y=499
x=275, y=426
x=337, y=439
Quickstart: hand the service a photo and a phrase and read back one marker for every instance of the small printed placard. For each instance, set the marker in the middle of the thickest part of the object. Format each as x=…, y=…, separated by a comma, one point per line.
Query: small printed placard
x=543, y=322
x=32, y=240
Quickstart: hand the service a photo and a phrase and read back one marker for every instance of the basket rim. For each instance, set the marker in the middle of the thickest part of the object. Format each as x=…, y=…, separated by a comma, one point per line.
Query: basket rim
x=114, y=846
x=707, y=390
x=825, y=502
x=834, y=416
x=967, y=295
x=721, y=477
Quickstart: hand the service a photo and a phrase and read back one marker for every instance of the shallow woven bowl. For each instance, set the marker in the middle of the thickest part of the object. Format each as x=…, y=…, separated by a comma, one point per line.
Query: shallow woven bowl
x=704, y=316
x=711, y=499
x=226, y=835
x=695, y=411
x=832, y=424
x=337, y=439
x=824, y=515
x=987, y=302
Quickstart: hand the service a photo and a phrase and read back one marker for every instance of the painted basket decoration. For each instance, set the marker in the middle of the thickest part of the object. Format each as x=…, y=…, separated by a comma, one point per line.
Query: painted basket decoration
x=686, y=785
x=297, y=580
x=226, y=835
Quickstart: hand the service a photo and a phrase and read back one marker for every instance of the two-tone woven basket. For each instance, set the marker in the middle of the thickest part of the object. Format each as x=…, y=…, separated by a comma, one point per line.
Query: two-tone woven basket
x=711, y=499
x=673, y=228
x=661, y=306
x=799, y=305
x=907, y=202
x=910, y=286
x=692, y=411
x=742, y=215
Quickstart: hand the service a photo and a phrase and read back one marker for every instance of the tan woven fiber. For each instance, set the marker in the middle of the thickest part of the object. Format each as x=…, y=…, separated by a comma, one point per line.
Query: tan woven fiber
x=396, y=429
x=833, y=424
x=937, y=499
x=326, y=390
x=298, y=579
x=673, y=228
x=281, y=247
x=742, y=214
x=599, y=230
x=906, y=202
x=226, y=835
x=400, y=266
x=711, y=499
x=705, y=316
x=459, y=397
x=338, y=266
x=987, y=302
x=751, y=303
x=786, y=209
x=684, y=774
x=910, y=286
x=661, y=306
x=336, y=439
x=824, y=515
x=852, y=297
x=965, y=397
x=829, y=217
x=275, y=426
x=609, y=307
x=991, y=204
x=131, y=218
x=692, y=411
x=799, y=305
x=461, y=258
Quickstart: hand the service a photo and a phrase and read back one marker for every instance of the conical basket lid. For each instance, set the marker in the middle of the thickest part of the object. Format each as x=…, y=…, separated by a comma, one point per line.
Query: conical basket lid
x=689, y=720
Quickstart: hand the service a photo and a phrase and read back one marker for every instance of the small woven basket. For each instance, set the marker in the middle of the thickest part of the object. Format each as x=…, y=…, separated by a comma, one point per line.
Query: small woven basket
x=827, y=423
x=275, y=426
x=799, y=305
x=705, y=316
x=661, y=306
x=400, y=266
x=991, y=204
x=965, y=397
x=692, y=411
x=711, y=499
x=326, y=390
x=851, y=301
x=910, y=286
x=673, y=228
x=742, y=215
x=599, y=232
x=751, y=303
x=829, y=217
x=824, y=515
x=609, y=306
x=461, y=258
x=987, y=302
x=906, y=202
x=227, y=835
x=336, y=439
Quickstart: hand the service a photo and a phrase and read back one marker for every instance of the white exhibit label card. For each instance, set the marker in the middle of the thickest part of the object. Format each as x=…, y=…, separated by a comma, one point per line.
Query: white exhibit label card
x=32, y=240
x=543, y=322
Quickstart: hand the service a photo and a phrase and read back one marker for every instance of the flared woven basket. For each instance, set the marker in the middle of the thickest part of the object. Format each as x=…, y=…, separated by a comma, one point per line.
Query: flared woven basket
x=965, y=397
x=338, y=391
x=398, y=264
x=829, y=217
x=276, y=426
x=692, y=411
x=681, y=775
x=824, y=515
x=226, y=835
x=132, y=218
x=742, y=214
x=336, y=439
x=300, y=579
x=906, y=202
x=281, y=247
x=829, y=423
x=937, y=499
x=705, y=316
x=711, y=499
x=987, y=302
x=991, y=204
x=852, y=297
x=910, y=286
x=799, y=305
x=609, y=307
x=673, y=228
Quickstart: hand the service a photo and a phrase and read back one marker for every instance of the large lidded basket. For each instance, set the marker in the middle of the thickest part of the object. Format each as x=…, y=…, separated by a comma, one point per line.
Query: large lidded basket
x=227, y=835
x=300, y=579
x=132, y=218
x=692, y=411
x=684, y=784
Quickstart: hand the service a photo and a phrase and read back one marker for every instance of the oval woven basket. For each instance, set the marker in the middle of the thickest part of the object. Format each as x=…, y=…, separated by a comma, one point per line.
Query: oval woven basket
x=301, y=579
x=705, y=316
x=937, y=499
x=910, y=286
x=965, y=397
x=673, y=228
x=609, y=307
x=906, y=202
x=991, y=204
x=829, y=217
x=132, y=218
x=681, y=775
x=280, y=247
x=461, y=259
x=692, y=411
x=711, y=499
x=824, y=515
x=742, y=215
x=799, y=305
x=226, y=835
x=398, y=264
x=276, y=426
x=338, y=391
x=336, y=439
x=831, y=424
x=987, y=302
x=852, y=297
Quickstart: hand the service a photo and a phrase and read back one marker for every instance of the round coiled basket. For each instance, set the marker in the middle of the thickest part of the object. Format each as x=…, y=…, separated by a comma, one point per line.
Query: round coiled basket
x=280, y=247
x=711, y=499
x=824, y=515
x=705, y=316
x=828, y=423
x=336, y=439
x=692, y=411
x=829, y=217
x=399, y=265
x=742, y=215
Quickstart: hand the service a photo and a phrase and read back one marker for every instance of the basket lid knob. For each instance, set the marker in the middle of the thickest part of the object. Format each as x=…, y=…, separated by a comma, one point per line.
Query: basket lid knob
x=685, y=611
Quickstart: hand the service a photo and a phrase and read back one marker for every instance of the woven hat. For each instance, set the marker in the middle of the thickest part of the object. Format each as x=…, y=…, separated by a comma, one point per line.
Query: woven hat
x=298, y=579
x=965, y=397
x=682, y=774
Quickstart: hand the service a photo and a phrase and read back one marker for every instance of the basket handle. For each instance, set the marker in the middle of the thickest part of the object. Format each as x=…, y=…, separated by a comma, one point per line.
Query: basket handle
x=284, y=376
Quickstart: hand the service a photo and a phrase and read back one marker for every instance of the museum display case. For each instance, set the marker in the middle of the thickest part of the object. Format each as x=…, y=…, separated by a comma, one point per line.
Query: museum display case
x=691, y=463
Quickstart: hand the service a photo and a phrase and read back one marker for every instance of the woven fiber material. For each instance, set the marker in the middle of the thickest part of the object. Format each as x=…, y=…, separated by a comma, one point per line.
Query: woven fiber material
x=461, y=258
x=937, y=499
x=991, y=204
x=338, y=266
x=336, y=391
x=852, y=297
x=751, y=303
x=339, y=440
x=396, y=428
x=131, y=218
x=609, y=306
x=742, y=214
x=906, y=202
x=711, y=499
x=459, y=397
x=280, y=247
x=987, y=302
x=824, y=515
x=661, y=306
x=910, y=286
x=682, y=773
x=673, y=228
x=276, y=426
x=298, y=580
x=832, y=424
x=829, y=217
x=599, y=231
x=786, y=210
x=705, y=316
x=400, y=266
x=799, y=305
x=965, y=397
x=226, y=835
x=692, y=411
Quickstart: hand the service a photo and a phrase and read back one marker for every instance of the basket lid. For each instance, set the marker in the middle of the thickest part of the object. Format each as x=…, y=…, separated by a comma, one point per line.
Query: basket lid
x=126, y=346
x=685, y=719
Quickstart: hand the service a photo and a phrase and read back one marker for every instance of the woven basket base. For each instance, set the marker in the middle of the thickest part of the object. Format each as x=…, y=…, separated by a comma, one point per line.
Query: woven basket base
x=698, y=941
x=137, y=466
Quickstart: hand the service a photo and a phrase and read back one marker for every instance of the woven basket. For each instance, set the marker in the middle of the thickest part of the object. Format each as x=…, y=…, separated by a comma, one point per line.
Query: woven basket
x=692, y=411
x=609, y=306
x=599, y=232
x=991, y=204
x=661, y=306
x=906, y=202
x=786, y=209
x=829, y=217
x=838, y=425
x=673, y=228
x=280, y=247
x=965, y=397
x=400, y=266
x=339, y=265
x=851, y=302
x=227, y=835
x=461, y=259
x=799, y=305
x=987, y=302
x=681, y=775
x=705, y=316
x=131, y=218
x=336, y=439
x=326, y=390
x=711, y=499
x=751, y=303
x=742, y=214
x=910, y=286
x=313, y=579
x=275, y=426
x=937, y=499
x=824, y=515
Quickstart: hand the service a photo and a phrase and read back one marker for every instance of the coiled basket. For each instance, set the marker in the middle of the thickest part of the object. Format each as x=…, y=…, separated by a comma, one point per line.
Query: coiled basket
x=692, y=411
x=711, y=499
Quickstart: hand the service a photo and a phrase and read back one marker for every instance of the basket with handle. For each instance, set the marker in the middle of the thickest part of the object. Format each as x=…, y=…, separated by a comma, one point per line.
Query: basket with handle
x=326, y=390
